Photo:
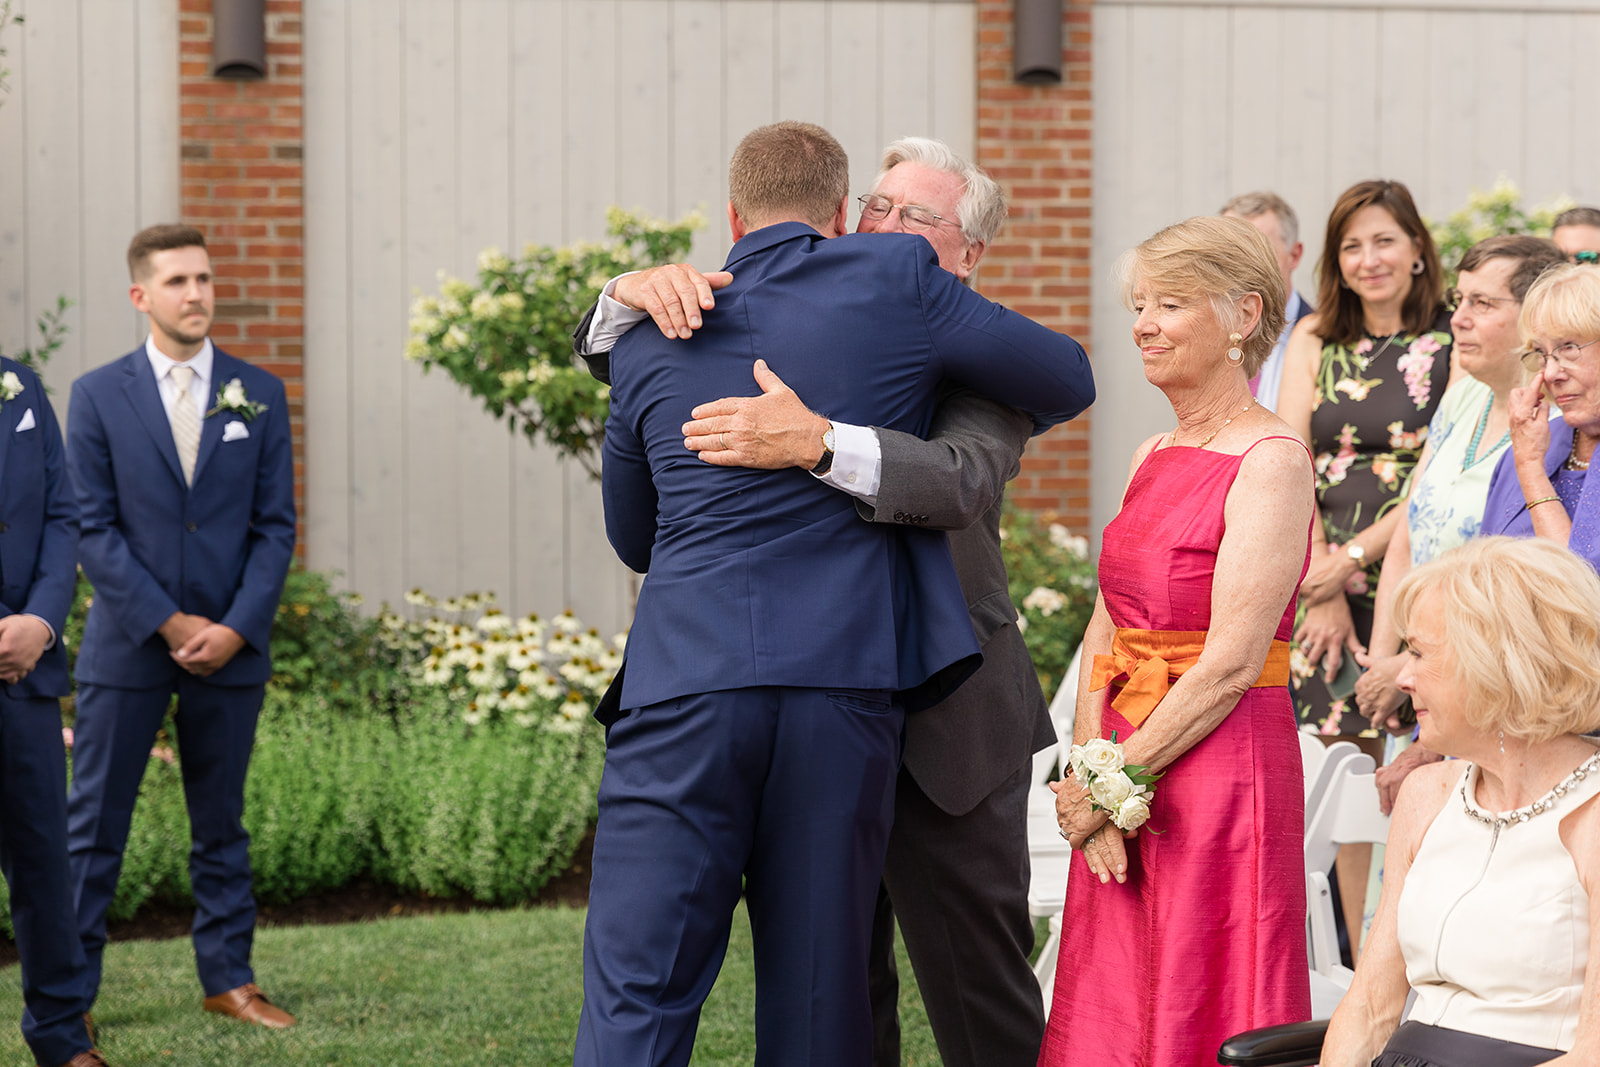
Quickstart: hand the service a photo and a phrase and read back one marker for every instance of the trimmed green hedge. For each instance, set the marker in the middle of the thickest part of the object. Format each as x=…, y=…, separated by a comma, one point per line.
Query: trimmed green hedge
x=420, y=802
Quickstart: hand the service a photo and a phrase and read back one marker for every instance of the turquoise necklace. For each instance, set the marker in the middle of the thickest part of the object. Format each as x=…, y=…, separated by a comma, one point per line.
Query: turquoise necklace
x=1472, y=459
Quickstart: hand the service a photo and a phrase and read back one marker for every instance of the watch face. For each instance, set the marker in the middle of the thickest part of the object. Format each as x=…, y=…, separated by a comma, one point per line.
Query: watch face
x=827, y=439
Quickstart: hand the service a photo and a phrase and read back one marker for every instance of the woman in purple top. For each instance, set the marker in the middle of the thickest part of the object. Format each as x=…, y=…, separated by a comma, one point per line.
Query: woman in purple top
x=1541, y=486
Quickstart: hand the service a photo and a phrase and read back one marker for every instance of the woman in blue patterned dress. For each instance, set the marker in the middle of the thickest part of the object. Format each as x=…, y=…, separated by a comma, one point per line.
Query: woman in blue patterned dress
x=1466, y=438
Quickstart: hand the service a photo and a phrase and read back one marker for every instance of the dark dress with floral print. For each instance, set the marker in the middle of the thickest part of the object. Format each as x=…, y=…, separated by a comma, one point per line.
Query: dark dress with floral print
x=1369, y=419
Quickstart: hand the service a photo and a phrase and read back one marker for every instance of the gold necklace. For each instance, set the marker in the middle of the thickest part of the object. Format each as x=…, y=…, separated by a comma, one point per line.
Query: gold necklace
x=1573, y=463
x=1173, y=439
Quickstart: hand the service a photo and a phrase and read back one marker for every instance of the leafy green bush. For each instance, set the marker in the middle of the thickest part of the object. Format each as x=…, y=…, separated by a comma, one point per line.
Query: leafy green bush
x=1496, y=213
x=535, y=672
x=321, y=643
x=1053, y=583
x=508, y=338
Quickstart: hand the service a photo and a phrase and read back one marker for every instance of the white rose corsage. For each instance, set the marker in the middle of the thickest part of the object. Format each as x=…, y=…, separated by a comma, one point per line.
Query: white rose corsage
x=10, y=385
x=231, y=397
x=1122, y=789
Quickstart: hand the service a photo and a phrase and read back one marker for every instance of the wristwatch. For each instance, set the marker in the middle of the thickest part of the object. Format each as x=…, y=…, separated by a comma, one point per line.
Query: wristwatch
x=1357, y=553
x=825, y=464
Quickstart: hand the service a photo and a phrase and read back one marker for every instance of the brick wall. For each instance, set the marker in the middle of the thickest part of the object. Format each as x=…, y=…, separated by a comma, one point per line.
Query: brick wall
x=1036, y=142
x=243, y=185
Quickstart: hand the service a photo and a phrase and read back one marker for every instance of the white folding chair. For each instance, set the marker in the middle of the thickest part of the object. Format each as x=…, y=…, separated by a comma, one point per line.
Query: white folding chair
x=1348, y=814
x=1048, y=855
x=1326, y=766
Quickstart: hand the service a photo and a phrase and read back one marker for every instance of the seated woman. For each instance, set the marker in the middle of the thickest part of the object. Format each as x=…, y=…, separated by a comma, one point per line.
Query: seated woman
x=1540, y=488
x=1492, y=886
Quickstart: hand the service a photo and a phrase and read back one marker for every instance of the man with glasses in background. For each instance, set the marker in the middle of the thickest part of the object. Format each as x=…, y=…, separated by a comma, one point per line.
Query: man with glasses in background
x=1577, y=234
x=957, y=871
x=1272, y=215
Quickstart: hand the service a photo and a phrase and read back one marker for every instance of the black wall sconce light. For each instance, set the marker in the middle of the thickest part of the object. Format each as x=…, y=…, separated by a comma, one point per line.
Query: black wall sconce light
x=239, y=39
x=1036, y=43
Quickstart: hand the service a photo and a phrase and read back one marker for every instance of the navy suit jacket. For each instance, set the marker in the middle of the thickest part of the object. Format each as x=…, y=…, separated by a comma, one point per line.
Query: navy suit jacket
x=38, y=526
x=153, y=546
x=761, y=578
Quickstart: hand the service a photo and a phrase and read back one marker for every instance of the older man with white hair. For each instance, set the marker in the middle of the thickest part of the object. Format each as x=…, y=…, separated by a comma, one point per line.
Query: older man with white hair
x=957, y=870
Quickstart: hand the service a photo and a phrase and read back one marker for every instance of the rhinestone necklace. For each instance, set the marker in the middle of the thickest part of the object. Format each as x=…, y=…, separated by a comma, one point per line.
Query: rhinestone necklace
x=1573, y=463
x=1545, y=803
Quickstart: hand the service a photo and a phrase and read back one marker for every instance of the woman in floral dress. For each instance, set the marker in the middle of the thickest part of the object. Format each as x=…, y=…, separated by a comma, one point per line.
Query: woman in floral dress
x=1362, y=377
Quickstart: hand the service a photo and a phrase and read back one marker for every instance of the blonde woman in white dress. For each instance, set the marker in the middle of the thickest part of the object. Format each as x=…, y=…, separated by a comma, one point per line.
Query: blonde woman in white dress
x=1491, y=895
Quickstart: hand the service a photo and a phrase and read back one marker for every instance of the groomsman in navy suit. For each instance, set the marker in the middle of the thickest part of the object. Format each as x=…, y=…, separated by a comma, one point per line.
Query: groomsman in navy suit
x=38, y=568
x=182, y=462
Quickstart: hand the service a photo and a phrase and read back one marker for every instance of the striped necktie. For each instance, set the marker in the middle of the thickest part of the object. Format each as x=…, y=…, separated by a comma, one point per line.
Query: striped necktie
x=185, y=421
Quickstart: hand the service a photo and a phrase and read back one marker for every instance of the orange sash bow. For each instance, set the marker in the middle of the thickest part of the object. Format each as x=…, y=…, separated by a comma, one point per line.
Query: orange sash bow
x=1146, y=662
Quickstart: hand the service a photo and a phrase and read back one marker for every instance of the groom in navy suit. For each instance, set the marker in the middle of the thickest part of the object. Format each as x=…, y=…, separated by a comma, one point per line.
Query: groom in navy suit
x=778, y=640
x=38, y=568
x=182, y=462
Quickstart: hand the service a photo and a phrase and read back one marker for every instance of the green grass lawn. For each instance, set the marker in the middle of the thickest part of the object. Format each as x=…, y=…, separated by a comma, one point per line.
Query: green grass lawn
x=498, y=988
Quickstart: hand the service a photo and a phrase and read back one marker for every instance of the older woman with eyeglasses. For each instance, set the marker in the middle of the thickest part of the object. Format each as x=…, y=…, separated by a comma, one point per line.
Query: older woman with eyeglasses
x=1541, y=487
x=1468, y=434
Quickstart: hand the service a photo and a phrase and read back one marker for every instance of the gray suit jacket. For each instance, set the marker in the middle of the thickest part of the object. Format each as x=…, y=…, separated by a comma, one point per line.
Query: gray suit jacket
x=962, y=748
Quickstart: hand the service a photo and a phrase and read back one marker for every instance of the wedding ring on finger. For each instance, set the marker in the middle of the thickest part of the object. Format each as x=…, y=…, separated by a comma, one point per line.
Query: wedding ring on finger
x=722, y=439
x=1064, y=835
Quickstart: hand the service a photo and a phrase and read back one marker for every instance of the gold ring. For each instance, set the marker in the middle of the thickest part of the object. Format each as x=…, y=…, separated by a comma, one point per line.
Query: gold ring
x=722, y=439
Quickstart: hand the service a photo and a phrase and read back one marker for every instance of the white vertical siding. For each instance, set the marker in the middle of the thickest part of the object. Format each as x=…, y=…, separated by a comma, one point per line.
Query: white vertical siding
x=89, y=140
x=1197, y=101
x=437, y=127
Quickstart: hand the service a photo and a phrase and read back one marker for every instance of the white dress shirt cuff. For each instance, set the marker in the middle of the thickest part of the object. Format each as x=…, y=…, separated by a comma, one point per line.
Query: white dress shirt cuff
x=612, y=319
x=48, y=645
x=857, y=461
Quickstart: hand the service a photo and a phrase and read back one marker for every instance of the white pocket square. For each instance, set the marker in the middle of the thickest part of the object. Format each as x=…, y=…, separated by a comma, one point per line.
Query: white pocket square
x=26, y=422
x=234, y=431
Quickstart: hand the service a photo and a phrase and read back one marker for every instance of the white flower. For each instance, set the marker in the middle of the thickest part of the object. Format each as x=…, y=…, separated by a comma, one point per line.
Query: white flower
x=1133, y=812
x=10, y=385
x=1044, y=600
x=483, y=306
x=233, y=394
x=1110, y=790
x=1101, y=756
x=492, y=259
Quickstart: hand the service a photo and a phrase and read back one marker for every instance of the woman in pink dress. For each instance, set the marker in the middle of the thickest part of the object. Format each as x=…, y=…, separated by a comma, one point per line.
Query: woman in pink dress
x=1192, y=928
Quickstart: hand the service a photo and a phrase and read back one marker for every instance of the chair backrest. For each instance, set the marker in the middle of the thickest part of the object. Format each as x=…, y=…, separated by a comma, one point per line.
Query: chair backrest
x=1313, y=754
x=1347, y=814
x=1317, y=788
x=1063, y=711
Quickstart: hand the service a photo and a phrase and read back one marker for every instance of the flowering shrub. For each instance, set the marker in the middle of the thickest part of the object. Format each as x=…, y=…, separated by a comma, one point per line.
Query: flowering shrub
x=531, y=671
x=1053, y=583
x=507, y=339
x=1491, y=214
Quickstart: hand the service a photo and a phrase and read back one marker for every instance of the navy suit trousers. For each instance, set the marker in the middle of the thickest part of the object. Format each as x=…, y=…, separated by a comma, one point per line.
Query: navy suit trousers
x=216, y=730
x=33, y=855
x=788, y=792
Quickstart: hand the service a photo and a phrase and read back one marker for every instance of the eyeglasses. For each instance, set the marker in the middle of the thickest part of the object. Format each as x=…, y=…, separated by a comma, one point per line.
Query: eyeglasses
x=1565, y=355
x=1586, y=256
x=913, y=217
x=1477, y=303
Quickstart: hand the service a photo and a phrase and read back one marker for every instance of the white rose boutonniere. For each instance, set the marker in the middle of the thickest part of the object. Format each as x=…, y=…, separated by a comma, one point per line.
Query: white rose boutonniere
x=1133, y=812
x=1102, y=756
x=10, y=385
x=231, y=397
x=1110, y=790
x=1118, y=787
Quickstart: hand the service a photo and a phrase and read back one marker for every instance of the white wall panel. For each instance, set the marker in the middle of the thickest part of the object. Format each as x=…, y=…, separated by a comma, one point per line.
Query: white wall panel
x=437, y=127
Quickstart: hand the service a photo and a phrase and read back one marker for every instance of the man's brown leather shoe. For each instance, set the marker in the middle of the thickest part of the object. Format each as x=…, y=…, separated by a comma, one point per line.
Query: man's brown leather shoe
x=251, y=1005
x=92, y=1058
x=88, y=1024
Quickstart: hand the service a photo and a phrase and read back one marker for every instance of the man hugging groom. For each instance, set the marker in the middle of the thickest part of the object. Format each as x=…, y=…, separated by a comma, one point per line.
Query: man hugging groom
x=755, y=737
